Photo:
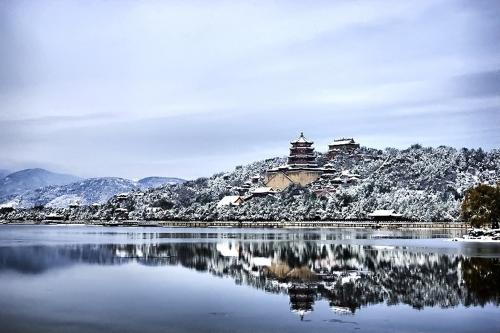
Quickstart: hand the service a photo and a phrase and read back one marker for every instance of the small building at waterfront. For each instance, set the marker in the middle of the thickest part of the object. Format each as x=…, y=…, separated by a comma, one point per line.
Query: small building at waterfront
x=385, y=215
x=7, y=208
x=54, y=217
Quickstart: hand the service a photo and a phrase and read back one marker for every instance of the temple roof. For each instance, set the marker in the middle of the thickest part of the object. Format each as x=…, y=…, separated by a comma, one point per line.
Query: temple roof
x=301, y=139
x=263, y=190
x=229, y=200
x=384, y=213
x=340, y=142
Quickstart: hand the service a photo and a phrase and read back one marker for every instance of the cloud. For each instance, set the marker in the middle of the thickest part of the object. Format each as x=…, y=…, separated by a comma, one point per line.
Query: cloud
x=479, y=84
x=148, y=87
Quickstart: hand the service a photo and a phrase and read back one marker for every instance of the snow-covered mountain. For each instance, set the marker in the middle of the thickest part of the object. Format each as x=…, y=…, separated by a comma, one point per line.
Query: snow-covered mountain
x=4, y=172
x=151, y=182
x=421, y=183
x=29, y=179
x=86, y=192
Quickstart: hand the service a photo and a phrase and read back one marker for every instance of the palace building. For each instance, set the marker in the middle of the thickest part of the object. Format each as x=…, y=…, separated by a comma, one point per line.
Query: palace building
x=342, y=146
x=301, y=169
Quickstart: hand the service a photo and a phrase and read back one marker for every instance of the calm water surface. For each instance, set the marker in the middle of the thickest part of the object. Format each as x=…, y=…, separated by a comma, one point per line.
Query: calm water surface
x=97, y=279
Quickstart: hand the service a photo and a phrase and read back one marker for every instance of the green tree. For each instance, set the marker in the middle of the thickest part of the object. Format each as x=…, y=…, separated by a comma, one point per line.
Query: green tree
x=481, y=206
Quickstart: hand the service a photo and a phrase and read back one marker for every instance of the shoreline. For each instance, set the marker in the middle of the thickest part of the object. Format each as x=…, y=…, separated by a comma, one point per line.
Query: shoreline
x=254, y=224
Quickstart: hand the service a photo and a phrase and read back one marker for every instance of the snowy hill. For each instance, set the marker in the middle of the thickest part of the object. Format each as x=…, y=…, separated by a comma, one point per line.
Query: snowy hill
x=30, y=179
x=426, y=184
x=4, y=172
x=86, y=192
x=151, y=182
x=420, y=183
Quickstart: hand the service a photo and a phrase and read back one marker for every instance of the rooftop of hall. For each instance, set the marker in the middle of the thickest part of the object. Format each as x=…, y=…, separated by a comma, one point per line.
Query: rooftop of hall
x=301, y=139
x=343, y=141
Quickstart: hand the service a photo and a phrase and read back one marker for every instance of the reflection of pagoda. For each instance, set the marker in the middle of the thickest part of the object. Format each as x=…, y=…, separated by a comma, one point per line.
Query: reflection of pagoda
x=302, y=153
x=301, y=299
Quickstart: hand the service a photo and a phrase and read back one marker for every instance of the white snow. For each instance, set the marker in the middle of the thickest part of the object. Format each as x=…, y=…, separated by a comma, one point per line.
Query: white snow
x=384, y=212
x=261, y=190
x=229, y=200
x=342, y=142
x=227, y=249
x=261, y=261
x=64, y=201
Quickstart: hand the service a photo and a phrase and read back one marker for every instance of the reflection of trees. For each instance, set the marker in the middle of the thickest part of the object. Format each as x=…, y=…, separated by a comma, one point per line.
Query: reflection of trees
x=348, y=276
x=353, y=295
x=482, y=278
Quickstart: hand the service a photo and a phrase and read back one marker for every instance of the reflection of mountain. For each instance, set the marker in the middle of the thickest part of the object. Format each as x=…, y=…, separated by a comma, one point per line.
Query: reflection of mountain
x=348, y=276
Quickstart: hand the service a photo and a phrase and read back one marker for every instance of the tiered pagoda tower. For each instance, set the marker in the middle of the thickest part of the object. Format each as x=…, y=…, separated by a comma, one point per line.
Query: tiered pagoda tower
x=301, y=168
x=302, y=153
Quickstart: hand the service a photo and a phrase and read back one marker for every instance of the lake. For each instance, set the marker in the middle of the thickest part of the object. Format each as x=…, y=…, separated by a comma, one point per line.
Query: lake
x=113, y=279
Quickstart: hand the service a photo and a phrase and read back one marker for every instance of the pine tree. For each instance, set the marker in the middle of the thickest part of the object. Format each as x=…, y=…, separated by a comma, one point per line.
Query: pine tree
x=481, y=205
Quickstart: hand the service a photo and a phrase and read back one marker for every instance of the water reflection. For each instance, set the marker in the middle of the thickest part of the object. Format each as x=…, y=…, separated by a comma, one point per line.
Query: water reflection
x=347, y=276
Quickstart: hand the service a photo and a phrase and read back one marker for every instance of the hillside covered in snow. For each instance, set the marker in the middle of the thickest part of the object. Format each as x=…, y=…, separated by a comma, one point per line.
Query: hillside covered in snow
x=19, y=182
x=85, y=192
x=421, y=183
x=152, y=182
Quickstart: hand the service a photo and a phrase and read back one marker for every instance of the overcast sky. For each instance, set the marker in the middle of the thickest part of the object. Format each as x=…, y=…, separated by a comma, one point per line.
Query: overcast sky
x=189, y=88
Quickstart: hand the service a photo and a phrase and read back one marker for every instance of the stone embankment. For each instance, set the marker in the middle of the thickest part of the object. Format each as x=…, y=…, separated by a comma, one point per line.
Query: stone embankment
x=262, y=224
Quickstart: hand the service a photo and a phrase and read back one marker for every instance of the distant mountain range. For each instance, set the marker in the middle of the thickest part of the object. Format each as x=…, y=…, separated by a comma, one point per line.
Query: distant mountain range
x=152, y=182
x=4, y=172
x=22, y=181
x=40, y=187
